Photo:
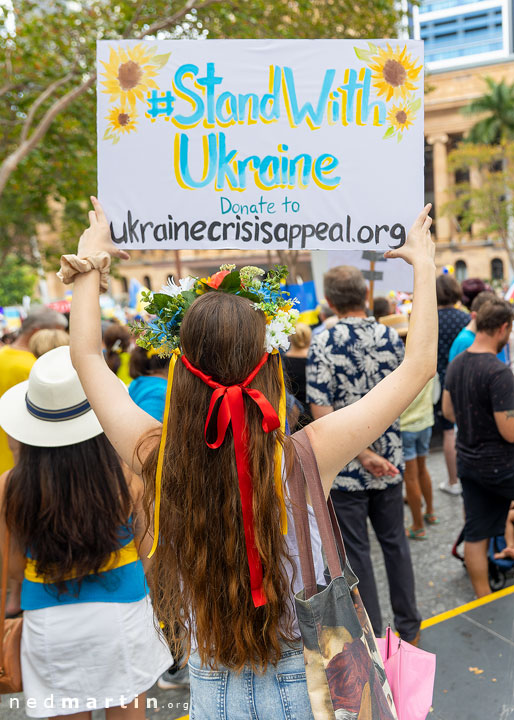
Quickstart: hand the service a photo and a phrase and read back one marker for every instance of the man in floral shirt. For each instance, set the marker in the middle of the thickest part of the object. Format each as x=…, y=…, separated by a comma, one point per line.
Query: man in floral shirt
x=344, y=363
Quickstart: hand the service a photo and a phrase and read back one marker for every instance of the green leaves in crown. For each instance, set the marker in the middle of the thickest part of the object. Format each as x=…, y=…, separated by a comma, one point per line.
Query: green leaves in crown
x=169, y=306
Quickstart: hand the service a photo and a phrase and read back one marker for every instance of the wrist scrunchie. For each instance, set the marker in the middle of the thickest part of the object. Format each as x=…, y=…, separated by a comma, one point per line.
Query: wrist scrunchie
x=72, y=265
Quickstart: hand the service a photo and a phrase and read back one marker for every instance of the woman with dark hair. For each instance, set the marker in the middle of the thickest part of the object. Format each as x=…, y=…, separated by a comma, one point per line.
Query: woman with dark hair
x=148, y=388
x=295, y=363
x=117, y=341
x=226, y=567
x=76, y=524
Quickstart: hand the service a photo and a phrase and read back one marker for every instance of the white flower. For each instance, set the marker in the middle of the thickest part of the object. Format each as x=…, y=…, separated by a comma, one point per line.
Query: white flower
x=172, y=289
x=280, y=328
x=276, y=338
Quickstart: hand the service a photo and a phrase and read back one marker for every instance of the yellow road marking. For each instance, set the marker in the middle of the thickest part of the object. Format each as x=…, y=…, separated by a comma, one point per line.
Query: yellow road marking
x=465, y=608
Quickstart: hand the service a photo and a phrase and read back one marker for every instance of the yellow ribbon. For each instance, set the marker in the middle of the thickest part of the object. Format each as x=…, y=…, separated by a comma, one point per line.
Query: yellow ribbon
x=160, y=457
x=124, y=556
x=152, y=352
x=279, y=449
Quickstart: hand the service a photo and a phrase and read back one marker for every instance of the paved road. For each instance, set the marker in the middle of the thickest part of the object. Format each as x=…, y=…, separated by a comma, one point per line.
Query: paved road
x=441, y=584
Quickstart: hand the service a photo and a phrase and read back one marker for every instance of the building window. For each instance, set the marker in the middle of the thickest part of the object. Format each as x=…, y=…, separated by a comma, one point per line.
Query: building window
x=461, y=270
x=147, y=282
x=460, y=34
x=497, y=269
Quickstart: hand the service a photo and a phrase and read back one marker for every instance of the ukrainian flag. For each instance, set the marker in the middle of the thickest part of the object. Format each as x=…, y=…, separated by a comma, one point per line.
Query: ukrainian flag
x=307, y=307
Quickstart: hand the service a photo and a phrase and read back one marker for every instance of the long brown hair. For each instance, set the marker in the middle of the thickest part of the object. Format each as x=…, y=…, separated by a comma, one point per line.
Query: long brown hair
x=68, y=506
x=200, y=573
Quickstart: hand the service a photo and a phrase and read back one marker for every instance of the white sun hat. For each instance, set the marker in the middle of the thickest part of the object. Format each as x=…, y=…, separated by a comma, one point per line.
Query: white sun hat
x=50, y=409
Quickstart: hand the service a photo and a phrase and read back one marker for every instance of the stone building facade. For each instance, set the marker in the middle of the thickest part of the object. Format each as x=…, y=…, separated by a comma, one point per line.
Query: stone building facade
x=472, y=254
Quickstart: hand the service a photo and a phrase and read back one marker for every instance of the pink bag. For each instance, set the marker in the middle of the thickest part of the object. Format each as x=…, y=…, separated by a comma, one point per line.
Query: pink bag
x=411, y=674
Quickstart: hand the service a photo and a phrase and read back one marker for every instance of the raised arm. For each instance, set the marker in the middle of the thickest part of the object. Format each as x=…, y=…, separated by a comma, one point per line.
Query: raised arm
x=339, y=436
x=123, y=421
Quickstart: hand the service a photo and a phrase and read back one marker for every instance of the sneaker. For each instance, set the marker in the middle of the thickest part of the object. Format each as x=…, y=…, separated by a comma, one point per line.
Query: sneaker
x=175, y=681
x=455, y=489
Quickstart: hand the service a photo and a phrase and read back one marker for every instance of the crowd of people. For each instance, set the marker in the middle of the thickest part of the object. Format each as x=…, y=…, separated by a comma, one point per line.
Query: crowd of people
x=129, y=550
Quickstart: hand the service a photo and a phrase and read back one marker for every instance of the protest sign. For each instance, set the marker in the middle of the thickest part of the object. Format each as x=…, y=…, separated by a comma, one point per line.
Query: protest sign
x=259, y=144
x=389, y=275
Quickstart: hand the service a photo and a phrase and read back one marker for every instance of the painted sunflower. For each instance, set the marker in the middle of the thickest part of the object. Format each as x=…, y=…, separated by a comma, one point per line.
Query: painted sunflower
x=129, y=73
x=401, y=116
x=121, y=120
x=394, y=72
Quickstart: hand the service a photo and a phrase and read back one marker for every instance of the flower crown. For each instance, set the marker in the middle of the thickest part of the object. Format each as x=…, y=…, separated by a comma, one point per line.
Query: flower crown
x=169, y=305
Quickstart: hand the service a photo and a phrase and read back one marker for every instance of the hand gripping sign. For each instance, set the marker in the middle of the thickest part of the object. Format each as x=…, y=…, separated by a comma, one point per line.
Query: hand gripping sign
x=258, y=144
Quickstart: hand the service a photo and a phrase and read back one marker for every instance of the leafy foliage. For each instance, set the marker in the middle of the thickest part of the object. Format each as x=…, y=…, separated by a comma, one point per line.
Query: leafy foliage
x=488, y=200
x=497, y=105
x=16, y=280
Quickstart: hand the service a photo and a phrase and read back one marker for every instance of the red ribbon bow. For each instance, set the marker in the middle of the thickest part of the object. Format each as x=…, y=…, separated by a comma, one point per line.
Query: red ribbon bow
x=231, y=410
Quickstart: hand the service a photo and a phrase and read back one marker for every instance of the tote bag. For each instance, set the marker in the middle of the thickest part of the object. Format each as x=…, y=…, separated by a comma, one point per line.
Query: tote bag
x=345, y=674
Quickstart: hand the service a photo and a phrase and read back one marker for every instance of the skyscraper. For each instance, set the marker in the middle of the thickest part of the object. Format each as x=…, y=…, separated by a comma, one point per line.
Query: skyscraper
x=458, y=33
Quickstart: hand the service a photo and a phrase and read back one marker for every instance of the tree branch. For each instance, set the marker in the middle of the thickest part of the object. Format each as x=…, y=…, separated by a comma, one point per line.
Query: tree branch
x=5, y=88
x=141, y=6
x=173, y=19
x=27, y=144
x=39, y=101
x=12, y=161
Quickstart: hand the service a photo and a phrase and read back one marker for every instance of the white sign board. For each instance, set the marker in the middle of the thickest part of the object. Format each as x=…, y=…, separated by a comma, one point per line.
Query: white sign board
x=258, y=144
x=391, y=274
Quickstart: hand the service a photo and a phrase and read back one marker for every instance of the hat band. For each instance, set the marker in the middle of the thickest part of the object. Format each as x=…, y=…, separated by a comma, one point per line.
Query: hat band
x=69, y=413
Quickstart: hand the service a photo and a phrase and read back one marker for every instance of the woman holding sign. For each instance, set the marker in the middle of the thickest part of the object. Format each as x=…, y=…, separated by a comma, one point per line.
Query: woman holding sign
x=224, y=573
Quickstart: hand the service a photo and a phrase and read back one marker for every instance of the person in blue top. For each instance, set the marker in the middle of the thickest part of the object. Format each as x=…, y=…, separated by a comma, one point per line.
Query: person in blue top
x=148, y=388
x=77, y=540
x=466, y=337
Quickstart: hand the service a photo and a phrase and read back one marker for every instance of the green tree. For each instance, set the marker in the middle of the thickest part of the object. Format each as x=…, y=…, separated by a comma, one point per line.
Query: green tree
x=16, y=280
x=485, y=202
x=497, y=106
x=47, y=79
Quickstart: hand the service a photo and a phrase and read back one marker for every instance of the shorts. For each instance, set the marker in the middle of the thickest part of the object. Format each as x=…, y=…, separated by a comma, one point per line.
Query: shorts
x=486, y=502
x=416, y=444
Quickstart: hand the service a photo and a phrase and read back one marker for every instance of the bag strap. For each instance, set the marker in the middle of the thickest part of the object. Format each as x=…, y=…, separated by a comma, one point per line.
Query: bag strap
x=328, y=526
x=338, y=535
x=296, y=486
x=5, y=563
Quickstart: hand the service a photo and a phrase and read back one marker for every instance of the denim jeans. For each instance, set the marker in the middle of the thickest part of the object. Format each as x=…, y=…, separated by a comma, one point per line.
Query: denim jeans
x=278, y=694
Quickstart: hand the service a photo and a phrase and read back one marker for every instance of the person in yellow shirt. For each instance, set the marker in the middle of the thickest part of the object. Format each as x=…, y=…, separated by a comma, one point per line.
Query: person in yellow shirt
x=16, y=361
x=416, y=426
